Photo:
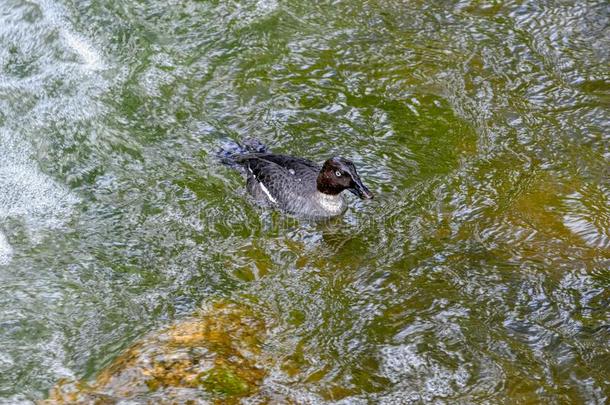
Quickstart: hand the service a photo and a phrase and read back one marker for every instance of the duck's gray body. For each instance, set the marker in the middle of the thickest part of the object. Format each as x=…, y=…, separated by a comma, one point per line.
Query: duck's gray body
x=294, y=184
x=289, y=183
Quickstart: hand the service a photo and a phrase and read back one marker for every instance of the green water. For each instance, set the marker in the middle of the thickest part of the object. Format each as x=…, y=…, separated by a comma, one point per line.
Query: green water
x=479, y=274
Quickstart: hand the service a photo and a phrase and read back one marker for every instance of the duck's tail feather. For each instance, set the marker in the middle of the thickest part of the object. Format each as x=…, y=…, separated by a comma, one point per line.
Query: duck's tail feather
x=229, y=149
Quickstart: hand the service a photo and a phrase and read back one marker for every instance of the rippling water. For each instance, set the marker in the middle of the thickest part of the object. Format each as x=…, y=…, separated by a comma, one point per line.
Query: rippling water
x=479, y=274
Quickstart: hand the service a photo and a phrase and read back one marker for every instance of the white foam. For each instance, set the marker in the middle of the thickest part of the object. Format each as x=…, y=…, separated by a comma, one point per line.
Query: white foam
x=82, y=46
x=28, y=193
x=18, y=399
x=6, y=251
x=266, y=6
x=243, y=15
x=87, y=53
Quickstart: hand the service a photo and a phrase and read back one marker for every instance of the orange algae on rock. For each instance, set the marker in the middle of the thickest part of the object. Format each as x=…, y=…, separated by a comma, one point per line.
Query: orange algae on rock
x=213, y=356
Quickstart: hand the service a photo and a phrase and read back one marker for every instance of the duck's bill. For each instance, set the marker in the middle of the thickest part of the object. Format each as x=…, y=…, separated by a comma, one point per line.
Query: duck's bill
x=361, y=191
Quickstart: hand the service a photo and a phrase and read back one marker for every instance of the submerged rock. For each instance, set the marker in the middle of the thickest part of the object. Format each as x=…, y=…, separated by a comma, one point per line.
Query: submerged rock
x=213, y=357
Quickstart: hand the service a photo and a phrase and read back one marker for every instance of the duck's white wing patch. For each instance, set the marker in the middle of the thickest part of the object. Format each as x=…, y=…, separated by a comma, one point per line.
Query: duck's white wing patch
x=262, y=186
x=267, y=193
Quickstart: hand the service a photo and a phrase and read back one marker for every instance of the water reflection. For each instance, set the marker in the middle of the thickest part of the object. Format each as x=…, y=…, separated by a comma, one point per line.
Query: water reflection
x=587, y=215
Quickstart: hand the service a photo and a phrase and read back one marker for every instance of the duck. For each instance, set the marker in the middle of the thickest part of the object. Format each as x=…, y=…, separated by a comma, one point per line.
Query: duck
x=295, y=185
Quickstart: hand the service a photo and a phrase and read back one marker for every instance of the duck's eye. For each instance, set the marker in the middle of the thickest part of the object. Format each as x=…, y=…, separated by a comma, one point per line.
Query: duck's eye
x=338, y=173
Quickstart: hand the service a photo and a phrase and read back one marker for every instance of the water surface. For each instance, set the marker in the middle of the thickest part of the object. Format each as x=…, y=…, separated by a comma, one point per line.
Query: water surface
x=479, y=274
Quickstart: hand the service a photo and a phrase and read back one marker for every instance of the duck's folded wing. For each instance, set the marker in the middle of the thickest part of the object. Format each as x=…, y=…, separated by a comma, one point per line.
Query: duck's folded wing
x=303, y=169
x=277, y=182
x=292, y=162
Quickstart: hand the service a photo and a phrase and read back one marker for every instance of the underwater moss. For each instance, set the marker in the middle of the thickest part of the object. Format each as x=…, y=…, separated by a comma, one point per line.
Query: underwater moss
x=223, y=380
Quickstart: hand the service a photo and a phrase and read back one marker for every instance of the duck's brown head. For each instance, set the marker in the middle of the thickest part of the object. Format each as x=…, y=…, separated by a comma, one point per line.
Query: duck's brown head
x=340, y=174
